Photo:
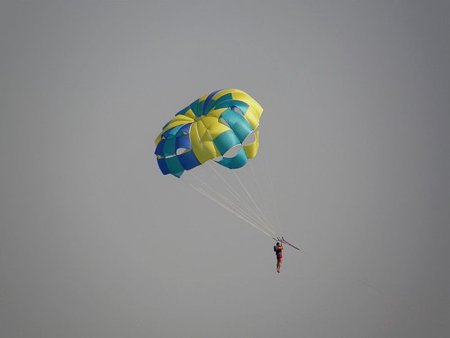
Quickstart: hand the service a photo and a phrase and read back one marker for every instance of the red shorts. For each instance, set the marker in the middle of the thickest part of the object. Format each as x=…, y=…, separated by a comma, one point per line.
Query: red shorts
x=279, y=257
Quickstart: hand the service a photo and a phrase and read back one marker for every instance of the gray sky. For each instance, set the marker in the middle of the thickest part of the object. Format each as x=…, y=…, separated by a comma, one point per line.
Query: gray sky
x=95, y=242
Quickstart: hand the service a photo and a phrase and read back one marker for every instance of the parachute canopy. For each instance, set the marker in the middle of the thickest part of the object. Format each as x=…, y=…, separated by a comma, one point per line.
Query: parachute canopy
x=221, y=126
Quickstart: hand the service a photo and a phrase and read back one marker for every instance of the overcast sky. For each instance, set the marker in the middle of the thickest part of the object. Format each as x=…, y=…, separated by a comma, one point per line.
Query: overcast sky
x=355, y=138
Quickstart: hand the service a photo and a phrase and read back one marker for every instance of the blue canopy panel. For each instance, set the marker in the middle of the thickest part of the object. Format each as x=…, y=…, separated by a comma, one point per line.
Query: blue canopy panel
x=237, y=123
x=174, y=151
x=225, y=142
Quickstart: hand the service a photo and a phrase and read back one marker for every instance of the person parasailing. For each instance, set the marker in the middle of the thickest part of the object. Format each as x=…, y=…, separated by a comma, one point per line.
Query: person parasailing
x=278, y=248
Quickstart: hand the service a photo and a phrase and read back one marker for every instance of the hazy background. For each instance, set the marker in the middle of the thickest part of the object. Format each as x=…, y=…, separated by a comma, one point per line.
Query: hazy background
x=95, y=242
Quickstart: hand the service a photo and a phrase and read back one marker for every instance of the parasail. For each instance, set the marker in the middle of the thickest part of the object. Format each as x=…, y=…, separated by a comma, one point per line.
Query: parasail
x=221, y=126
